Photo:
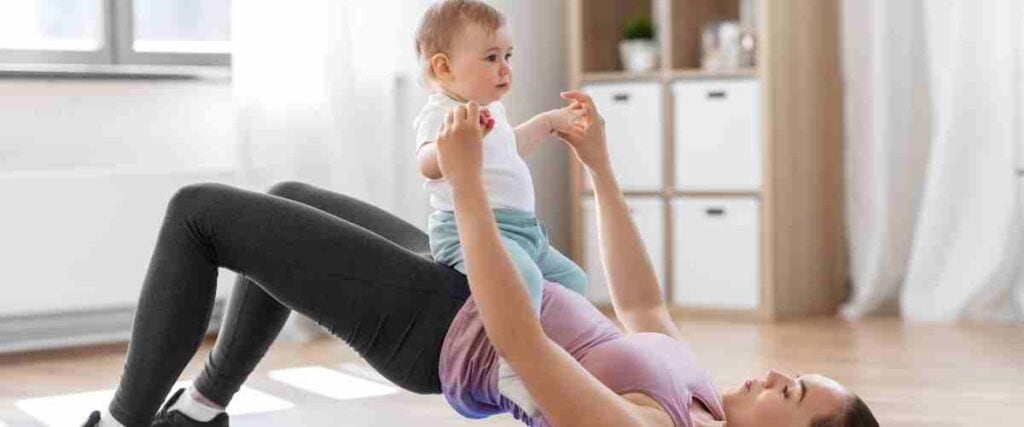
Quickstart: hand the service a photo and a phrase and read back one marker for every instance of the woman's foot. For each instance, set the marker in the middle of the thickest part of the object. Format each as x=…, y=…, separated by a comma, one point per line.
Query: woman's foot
x=104, y=419
x=170, y=415
x=94, y=419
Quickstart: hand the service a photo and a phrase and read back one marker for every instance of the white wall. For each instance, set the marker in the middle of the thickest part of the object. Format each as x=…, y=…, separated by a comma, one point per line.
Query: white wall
x=86, y=169
x=538, y=65
x=58, y=124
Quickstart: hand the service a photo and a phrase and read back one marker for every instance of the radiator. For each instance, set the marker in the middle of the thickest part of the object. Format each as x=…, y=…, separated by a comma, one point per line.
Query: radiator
x=74, y=249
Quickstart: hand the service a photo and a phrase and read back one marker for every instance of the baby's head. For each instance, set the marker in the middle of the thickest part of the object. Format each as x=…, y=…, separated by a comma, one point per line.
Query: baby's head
x=465, y=48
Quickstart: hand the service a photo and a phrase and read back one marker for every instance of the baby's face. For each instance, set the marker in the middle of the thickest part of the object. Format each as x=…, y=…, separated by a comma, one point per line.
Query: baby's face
x=480, y=64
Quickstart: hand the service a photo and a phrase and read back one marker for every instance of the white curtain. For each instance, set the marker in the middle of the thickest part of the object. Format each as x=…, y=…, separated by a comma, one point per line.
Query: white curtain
x=324, y=93
x=934, y=105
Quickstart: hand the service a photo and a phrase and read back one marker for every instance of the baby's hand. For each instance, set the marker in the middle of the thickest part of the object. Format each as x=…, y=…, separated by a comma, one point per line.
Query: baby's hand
x=486, y=121
x=570, y=119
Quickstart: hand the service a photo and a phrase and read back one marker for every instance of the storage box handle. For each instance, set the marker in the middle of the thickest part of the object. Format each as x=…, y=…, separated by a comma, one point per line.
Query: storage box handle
x=717, y=94
x=715, y=211
x=621, y=97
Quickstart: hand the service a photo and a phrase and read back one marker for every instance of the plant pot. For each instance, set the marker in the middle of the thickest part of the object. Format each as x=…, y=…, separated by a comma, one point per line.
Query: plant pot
x=639, y=54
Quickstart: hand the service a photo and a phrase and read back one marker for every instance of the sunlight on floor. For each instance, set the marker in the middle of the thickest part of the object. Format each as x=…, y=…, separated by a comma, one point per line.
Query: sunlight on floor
x=69, y=409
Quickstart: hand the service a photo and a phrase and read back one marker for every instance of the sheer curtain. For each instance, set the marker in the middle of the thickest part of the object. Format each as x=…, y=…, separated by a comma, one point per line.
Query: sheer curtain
x=324, y=93
x=934, y=106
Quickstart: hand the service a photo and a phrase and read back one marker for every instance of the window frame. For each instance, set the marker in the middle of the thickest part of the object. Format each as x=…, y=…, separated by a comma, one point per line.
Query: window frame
x=119, y=36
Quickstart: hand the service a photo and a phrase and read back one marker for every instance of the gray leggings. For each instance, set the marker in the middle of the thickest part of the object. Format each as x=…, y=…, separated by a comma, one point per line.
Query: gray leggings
x=361, y=273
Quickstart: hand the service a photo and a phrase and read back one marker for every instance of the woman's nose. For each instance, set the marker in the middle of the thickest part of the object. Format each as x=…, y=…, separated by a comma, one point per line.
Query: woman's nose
x=776, y=378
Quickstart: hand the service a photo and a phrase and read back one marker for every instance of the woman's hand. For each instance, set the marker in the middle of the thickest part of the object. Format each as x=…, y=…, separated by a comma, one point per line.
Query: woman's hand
x=587, y=137
x=460, y=144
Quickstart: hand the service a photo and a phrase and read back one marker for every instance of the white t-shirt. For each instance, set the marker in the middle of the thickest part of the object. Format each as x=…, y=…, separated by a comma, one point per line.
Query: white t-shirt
x=506, y=177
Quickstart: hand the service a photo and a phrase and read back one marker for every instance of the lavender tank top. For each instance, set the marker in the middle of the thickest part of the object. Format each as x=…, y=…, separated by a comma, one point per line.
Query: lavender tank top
x=658, y=365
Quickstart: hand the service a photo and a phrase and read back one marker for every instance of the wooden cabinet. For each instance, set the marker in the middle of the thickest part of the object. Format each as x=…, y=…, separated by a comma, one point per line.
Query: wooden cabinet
x=745, y=166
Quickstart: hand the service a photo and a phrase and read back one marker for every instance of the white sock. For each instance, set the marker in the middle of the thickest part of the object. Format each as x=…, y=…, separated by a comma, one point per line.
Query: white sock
x=195, y=409
x=513, y=388
x=107, y=420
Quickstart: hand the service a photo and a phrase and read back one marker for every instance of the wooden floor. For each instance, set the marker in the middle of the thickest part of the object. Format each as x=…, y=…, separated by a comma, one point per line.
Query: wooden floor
x=911, y=374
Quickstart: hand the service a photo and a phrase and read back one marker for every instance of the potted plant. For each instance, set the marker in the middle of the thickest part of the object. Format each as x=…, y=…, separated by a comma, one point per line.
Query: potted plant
x=638, y=50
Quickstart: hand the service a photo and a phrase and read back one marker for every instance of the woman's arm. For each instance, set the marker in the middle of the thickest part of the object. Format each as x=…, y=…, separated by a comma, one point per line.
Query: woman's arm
x=566, y=393
x=632, y=282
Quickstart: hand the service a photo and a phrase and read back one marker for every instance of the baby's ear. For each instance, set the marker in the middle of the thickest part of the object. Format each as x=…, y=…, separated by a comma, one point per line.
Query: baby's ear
x=441, y=66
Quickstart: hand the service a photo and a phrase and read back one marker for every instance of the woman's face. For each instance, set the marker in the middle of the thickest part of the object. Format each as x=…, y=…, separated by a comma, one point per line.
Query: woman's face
x=781, y=400
x=480, y=67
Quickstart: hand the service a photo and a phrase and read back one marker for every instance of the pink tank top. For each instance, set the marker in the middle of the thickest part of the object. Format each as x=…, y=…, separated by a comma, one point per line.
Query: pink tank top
x=658, y=365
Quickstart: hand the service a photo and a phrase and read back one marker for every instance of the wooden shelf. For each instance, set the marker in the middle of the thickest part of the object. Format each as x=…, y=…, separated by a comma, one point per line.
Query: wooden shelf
x=627, y=193
x=664, y=76
x=687, y=19
x=801, y=251
x=602, y=22
x=621, y=76
x=697, y=193
x=697, y=73
x=678, y=193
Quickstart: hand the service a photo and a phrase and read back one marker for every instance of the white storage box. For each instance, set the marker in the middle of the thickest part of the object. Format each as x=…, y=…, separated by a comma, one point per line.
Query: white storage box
x=716, y=258
x=717, y=135
x=648, y=214
x=633, y=127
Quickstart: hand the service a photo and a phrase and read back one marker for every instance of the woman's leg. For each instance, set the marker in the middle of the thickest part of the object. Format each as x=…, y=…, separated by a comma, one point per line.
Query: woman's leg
x=254, y=318
x=391, y=305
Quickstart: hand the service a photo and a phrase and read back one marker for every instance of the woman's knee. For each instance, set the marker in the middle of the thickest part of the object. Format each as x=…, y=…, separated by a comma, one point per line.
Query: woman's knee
x=288, y=189
x=194, y=197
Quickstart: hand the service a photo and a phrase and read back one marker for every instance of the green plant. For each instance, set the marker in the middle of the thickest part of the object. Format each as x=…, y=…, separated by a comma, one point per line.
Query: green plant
x=638, y=27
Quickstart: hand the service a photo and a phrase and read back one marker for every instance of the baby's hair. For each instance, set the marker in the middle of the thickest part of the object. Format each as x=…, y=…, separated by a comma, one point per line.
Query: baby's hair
x=443, y=20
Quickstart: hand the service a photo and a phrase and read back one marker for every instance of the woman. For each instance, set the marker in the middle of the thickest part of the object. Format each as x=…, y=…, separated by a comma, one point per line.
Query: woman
x=368, y=278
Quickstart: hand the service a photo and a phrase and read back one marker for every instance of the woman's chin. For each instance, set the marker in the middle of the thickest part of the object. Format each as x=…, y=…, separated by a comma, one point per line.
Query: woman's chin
x=730, y=393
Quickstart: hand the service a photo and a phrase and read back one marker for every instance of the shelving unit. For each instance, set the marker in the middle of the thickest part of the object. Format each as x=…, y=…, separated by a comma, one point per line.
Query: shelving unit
x=778, y=192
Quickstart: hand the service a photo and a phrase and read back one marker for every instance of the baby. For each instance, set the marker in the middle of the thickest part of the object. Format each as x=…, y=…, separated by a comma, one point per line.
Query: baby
x=465, y=48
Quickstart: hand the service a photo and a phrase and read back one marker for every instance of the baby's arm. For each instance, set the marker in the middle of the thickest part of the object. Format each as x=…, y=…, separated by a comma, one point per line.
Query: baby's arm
x=531, y=133
x=427, y=158
x=426, y=155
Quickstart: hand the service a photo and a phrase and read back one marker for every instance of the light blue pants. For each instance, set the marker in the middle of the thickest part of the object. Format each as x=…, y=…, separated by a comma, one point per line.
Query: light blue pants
x=525, y=239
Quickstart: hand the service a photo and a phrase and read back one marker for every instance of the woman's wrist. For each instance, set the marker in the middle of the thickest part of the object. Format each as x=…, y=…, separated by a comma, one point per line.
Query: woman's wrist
x=602, y=176
x=599, y=167
x=466, y=184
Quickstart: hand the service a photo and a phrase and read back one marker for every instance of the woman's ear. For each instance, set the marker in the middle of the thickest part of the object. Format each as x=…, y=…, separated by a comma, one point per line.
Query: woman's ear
x=441, y=67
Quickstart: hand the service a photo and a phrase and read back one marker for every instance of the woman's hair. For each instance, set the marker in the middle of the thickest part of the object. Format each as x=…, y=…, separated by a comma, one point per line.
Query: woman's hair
x=443, y=20
x=854, y=414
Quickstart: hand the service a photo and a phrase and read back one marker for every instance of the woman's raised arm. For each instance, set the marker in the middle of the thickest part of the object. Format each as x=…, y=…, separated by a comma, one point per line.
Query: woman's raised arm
x=566, y=393
x=632, y=282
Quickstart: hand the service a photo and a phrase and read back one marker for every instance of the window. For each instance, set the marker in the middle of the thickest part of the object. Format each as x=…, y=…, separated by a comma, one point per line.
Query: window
x=179, y=32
